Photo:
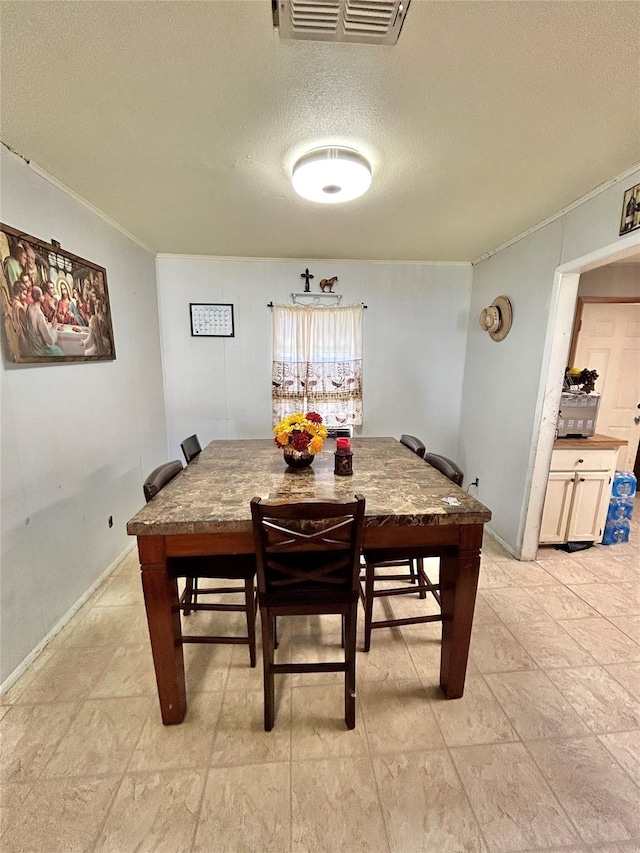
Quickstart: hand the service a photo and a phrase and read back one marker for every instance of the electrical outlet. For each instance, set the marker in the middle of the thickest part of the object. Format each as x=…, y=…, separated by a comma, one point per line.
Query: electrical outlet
x=110, y=521
x=475, y=483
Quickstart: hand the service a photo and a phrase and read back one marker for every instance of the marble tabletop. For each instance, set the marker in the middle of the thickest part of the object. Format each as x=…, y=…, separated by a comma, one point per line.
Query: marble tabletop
x=213, y=492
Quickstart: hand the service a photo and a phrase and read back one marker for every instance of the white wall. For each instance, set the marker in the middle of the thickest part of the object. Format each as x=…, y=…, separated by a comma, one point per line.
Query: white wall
x=77, y=439
x=415, y=330
x=612, y=280
x=504, y=383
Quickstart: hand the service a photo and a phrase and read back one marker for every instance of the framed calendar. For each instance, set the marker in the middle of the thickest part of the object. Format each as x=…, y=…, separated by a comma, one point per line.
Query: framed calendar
x=211, y=320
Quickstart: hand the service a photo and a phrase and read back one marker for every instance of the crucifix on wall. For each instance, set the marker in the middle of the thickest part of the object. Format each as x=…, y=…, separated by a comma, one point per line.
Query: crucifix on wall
x=306, y=275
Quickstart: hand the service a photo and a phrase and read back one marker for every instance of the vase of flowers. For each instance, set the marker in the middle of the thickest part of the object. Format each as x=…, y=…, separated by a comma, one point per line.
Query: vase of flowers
x=300, y=436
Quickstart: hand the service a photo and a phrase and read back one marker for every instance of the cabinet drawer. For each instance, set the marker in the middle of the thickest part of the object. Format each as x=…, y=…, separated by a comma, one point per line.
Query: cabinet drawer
x=583, y=460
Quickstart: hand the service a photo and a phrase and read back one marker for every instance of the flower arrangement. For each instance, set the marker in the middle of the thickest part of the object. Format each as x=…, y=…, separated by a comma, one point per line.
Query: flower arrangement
x=582, y=380
x=300, y=432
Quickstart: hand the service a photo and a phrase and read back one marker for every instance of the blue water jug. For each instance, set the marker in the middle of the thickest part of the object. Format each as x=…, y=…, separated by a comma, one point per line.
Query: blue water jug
x=616, y=532
x=620, y=508
x=624, y=484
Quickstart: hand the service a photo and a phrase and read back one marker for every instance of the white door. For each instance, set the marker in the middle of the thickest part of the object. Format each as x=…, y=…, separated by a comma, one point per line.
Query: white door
x=609, y=342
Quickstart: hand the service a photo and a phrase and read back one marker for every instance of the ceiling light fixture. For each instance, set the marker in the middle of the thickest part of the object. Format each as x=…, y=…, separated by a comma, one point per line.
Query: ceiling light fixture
x=331, y=175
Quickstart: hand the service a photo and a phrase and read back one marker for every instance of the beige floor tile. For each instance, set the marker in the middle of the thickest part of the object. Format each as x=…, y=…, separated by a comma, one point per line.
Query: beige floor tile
x=629, y=625
x=318, y=728
x=120, y=590
x=29, y=735
x=240, y=736
x=607, y=599
x=105, y=650
x=492, y=549
x=621, y=847
x=625, y=748
x=335, y=807
x=241, y=675
x=549, y=645
x=102, y=626
x=246, y=810
x=561, y=603
x=515, y=605
x=604, y=642
x=188, y=744
x=535, y=707
x=324, y=648
x=599, y=797
x=495, y=649
x=511, y=800
x=397, y=715
x=12, y=799
x=66, y=674
x=628, y=675
x=564, y=568
x=602, y=703
x=61, y=816
x=483, y=614
x=389, y=658
x=424, y=644
x=444, y=822
x=206, y=666
x=632, y=590
x=130, y=673
x=607, y=568
x=529, y=574
x=476, y=718
x=101, y=738
x=154, y=813
x=494, y=576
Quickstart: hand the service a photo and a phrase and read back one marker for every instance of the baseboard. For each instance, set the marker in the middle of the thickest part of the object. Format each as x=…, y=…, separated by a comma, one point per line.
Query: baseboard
x=31, y=657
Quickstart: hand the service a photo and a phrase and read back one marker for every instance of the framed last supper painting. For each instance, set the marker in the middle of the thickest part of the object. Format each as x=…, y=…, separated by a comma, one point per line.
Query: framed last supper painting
x=55, y=305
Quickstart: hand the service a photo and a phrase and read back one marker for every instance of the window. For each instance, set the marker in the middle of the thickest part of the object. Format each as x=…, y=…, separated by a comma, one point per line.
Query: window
x=317, y=362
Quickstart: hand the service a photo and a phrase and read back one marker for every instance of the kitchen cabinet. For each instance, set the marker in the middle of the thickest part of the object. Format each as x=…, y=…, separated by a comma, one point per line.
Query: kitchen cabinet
x=578, y=489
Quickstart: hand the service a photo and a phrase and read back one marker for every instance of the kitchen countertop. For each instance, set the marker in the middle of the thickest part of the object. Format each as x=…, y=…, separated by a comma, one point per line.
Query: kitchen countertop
x=594, y=442
x=212, y=494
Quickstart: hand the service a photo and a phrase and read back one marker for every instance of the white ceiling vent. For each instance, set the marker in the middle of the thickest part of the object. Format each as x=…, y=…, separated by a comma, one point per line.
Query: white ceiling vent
x=361, y=21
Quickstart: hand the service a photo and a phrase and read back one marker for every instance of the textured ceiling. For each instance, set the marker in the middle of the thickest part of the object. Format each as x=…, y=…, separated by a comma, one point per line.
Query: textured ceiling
x=181, y=120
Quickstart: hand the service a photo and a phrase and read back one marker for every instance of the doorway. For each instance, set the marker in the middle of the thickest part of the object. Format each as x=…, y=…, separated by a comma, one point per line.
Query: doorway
x=561, y=317
x=606, y=338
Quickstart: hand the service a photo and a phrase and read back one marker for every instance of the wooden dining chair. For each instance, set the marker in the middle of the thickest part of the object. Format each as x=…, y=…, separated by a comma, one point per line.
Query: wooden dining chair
x=190, y=447
x=413, y=443
x=240, y=567
x=380, y=563
x=308, y=559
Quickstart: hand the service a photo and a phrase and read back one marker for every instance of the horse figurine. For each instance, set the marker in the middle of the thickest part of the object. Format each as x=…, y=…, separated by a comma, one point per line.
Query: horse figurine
x=327, y=284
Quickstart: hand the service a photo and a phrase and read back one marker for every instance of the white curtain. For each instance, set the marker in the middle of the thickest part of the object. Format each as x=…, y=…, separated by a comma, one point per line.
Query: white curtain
x=317, y=362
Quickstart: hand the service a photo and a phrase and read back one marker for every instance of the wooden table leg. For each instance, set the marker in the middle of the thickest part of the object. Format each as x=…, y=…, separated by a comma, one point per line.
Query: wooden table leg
x=459, y=582
x=163, y=618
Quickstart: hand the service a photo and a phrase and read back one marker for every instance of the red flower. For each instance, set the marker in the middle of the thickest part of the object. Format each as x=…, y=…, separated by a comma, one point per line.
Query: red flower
x=314, y=417
x=300, y=441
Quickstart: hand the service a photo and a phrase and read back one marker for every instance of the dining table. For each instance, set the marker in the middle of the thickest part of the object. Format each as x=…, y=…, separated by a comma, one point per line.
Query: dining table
x=205, y=509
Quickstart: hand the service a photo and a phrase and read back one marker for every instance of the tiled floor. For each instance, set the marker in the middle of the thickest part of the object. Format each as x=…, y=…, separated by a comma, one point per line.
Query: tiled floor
x=541, y=753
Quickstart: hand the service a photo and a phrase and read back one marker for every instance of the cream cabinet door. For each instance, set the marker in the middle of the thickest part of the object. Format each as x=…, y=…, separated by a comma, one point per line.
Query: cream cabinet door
x=589, y=507
x=557, y=504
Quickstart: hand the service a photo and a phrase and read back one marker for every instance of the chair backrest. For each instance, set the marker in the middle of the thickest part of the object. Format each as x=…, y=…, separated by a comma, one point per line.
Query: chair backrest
x=191, y=447
x=159, y=477
x=446, y=466
x=413, y=443
x=308, y=547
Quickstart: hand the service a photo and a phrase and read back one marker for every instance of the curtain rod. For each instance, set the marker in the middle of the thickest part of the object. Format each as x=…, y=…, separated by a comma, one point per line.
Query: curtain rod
x=270, y=305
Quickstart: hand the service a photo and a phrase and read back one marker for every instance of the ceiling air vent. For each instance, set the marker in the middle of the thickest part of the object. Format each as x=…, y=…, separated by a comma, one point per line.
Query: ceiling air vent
x=361, y=21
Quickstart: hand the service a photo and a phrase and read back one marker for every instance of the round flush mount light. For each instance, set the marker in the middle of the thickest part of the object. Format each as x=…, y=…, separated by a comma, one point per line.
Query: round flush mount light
x=331, y=175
